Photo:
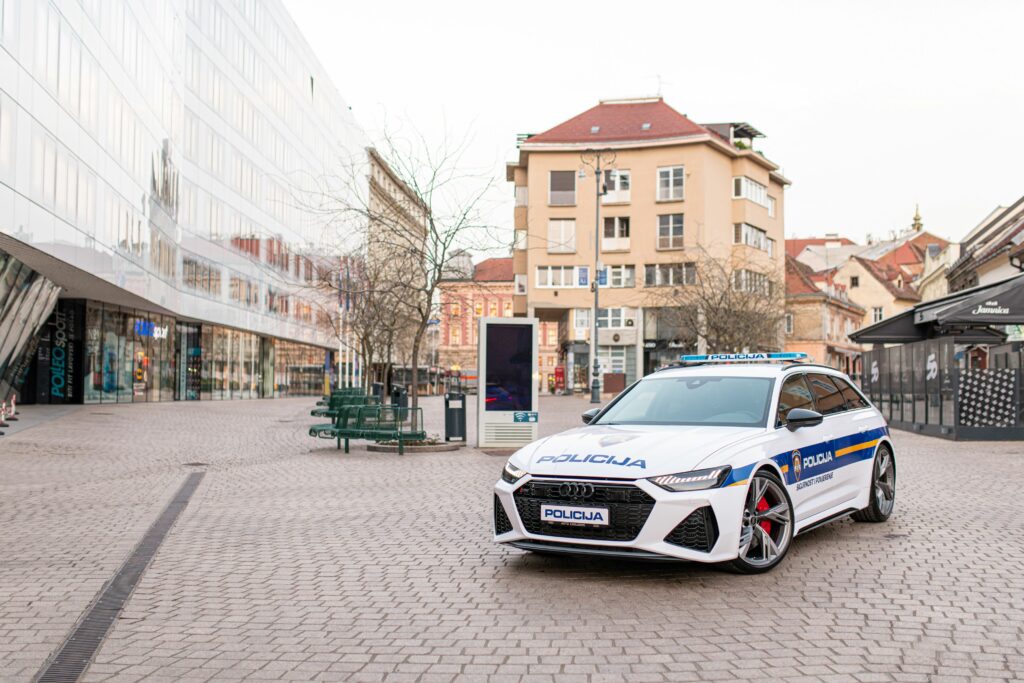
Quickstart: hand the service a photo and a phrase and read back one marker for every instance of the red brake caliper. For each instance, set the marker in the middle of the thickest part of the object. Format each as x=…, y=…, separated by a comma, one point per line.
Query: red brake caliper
x=762, y=505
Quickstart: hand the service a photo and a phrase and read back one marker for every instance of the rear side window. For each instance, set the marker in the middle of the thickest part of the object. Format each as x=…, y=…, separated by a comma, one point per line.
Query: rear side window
x=827, y=397
x=794, y=394
x=853, y=398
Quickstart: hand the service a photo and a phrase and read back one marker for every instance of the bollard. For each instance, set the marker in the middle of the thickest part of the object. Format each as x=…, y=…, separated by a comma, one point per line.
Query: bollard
x=12, y=411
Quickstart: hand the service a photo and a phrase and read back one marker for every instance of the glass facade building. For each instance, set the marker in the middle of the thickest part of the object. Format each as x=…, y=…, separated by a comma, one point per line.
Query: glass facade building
x=150, y=159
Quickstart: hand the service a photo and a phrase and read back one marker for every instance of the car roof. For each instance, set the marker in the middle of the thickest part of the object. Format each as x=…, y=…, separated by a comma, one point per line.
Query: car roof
x=741, y=370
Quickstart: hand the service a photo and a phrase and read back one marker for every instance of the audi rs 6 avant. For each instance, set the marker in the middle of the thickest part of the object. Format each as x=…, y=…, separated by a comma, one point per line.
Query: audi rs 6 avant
x=723, y=458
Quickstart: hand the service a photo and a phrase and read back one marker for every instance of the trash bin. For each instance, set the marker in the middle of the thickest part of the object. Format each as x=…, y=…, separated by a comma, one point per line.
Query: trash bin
x=454, y=416
x=377, y=390
x=399, y=396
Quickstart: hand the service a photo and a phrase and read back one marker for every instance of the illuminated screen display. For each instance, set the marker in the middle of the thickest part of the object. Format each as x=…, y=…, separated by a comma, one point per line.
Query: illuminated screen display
x=509, y=364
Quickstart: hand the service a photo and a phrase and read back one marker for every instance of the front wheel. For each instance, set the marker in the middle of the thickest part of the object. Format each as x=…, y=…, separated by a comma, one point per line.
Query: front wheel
x=767, y=527
x=883, y=488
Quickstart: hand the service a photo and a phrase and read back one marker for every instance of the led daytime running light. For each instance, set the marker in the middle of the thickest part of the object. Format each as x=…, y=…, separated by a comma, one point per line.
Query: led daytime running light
x=692, y=481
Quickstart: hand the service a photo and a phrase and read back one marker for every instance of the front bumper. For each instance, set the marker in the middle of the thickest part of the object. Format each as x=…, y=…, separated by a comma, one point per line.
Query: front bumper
x=646, y=522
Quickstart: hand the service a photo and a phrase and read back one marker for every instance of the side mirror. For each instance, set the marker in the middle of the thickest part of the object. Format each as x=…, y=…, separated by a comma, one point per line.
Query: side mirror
x=801, y=417
x=589, y=415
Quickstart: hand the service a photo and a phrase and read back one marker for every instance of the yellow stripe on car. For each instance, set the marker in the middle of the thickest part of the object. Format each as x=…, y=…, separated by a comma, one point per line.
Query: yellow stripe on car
x=856, y=447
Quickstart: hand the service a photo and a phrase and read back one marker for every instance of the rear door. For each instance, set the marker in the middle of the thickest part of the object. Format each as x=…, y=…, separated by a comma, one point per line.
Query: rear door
x=861, y=428
x=804, y=447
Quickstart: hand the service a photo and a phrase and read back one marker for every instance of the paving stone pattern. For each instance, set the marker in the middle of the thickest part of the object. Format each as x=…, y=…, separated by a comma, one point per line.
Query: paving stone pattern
x=295, y=562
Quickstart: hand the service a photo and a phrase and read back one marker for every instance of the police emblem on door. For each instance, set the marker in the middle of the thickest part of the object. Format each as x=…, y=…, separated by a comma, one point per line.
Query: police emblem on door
x=797, y=465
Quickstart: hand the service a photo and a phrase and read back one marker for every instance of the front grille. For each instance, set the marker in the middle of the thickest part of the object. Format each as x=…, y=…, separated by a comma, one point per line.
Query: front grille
x=502, y=524
x=628, y=510
x=699, y=531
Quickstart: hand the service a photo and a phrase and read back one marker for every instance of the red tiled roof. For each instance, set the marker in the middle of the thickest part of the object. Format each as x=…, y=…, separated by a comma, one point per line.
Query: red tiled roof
x=887, y=275
x=617, y=121
x=797, y=245
x=494, y=270
x=799, y=278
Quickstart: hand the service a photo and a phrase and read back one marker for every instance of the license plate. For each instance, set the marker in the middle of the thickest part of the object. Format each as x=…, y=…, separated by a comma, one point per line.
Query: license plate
x=570, y=514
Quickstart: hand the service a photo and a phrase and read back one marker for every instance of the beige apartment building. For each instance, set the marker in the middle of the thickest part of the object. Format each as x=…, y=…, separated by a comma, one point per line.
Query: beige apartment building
x=675, y=192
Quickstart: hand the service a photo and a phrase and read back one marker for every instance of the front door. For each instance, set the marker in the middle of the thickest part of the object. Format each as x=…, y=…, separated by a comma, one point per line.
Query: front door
x=810, y=449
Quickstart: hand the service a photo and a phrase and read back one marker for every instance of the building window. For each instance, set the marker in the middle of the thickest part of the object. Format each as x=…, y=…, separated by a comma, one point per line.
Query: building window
x=616, y=187
x=877, y=315
x=744, y=233
x=520, y=284
x=670, y=231
x=562, y=236
x=506, y=309
x=751, y=281
x=666, y=274
x=621, y=276
x=478, y=309
x=670, y=183
x=854, y=281
x=616, y=234
x=581, y=318
x=613, y=318
x=745, y=188
x=771, y=207
x=456, y=310
x=562, y=188
x=520, y=240
x=789, y=323
x=492, y=309
x=455, y=335
x=555, y=276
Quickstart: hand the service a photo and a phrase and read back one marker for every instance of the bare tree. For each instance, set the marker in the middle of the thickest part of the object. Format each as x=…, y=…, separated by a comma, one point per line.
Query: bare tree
x=422, y=206
x=731, y=304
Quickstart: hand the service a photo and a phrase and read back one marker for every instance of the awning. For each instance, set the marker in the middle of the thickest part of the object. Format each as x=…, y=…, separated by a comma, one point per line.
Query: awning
x=966, y=316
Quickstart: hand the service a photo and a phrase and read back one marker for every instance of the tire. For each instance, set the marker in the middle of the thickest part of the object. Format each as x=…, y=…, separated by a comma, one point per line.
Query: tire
x=766, y=530
x=883, y=488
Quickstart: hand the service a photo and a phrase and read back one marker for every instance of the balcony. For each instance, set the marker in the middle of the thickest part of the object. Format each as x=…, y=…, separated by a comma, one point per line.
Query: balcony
x=616, y=197
x=614, y=244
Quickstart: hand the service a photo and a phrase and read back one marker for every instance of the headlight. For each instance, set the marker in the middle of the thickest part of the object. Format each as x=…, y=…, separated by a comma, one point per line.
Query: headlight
x=693, y=481
x=511, y=473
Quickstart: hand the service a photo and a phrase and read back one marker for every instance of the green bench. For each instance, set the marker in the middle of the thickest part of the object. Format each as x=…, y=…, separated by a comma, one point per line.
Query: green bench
x=374, y=423
x=336, y=402
x=344, y=391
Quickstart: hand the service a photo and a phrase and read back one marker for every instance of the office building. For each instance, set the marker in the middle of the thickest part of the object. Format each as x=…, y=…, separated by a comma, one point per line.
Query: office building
x=153, y=162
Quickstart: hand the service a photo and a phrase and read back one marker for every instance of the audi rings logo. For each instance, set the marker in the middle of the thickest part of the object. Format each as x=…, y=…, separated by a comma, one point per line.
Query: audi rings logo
x=576, y=489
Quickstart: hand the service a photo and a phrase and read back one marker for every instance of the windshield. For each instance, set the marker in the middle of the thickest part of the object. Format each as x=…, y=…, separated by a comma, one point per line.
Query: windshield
x=712, y=401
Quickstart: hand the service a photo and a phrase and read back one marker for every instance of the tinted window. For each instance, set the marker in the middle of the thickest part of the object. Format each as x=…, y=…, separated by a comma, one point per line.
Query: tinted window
x=827, y=397
x=853, y=398
x=714, y=401
x=794, y=394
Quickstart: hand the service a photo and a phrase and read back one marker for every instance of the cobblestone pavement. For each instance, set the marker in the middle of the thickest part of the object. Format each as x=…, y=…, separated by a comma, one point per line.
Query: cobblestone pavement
x=295, y=562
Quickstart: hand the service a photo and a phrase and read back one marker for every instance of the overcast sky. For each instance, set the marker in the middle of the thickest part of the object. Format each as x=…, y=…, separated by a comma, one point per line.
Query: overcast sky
x=869, y=107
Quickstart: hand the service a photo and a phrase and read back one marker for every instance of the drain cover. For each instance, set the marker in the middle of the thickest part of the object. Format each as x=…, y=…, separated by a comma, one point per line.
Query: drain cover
x=194, y=464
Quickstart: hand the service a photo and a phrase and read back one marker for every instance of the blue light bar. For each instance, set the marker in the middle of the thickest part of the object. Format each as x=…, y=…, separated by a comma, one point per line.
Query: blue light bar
x=742, y=357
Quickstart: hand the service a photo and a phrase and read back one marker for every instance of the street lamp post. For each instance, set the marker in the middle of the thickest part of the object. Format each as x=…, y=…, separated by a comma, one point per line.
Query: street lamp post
x=594, y=158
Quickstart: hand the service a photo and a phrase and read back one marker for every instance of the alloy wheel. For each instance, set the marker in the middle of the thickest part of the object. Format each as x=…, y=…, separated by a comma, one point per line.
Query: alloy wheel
x=767, y=522
x=885, y=482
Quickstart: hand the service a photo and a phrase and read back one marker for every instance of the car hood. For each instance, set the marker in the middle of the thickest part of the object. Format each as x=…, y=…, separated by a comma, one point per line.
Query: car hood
x=628, y=451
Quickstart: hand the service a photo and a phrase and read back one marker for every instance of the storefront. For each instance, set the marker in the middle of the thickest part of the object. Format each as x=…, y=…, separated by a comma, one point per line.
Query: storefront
x=930, y=372
x=92, y=352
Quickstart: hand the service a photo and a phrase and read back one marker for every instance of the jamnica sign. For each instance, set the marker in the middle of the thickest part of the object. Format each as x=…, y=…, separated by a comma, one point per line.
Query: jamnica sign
x=990, y=308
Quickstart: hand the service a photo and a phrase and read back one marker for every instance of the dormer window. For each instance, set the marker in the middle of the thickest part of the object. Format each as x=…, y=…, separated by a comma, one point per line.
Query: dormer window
x=645, y=126
x=595, y=129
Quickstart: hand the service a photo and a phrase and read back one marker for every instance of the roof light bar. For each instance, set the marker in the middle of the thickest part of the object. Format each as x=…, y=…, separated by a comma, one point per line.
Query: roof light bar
x=743, y=357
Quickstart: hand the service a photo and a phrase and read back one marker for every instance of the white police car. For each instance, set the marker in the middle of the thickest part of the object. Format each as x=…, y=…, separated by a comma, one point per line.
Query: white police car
x=721, y=459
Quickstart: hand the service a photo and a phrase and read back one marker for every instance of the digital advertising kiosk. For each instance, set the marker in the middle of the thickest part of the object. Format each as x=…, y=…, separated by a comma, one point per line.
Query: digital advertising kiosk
x=507, y=408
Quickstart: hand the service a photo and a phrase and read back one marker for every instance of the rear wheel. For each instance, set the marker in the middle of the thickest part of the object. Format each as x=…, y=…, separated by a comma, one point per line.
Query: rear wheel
x=883, y=488
x=767, y=527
